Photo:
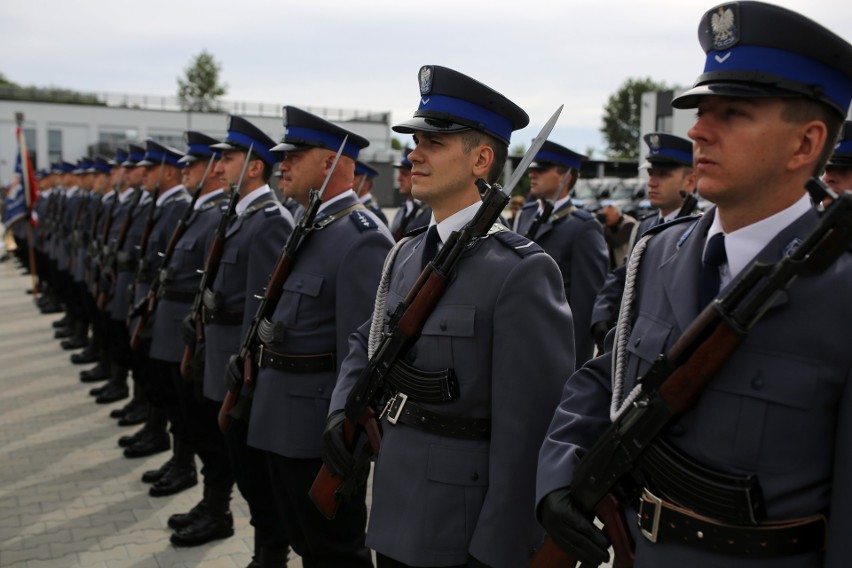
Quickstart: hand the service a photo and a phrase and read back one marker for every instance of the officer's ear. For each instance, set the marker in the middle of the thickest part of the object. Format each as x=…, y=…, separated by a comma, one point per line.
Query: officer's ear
x=484, y=157
x=812, y=137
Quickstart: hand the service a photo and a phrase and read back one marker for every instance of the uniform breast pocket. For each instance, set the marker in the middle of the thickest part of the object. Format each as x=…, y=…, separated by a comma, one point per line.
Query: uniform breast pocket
x=449, y=328
x=298, y=306
x=646, y=343
x=458, y=483
x=759, y=413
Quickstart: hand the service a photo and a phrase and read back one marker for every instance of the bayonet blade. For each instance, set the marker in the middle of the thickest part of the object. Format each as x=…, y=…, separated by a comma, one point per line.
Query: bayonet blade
x=529, y=156
x=333, y=166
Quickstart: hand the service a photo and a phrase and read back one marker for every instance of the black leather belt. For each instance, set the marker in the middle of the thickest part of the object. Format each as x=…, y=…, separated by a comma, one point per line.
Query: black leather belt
x=126, y=266
x=661, y=521
x=176, y=295
x=322, y=363
x=401, y=410
x=221, y=317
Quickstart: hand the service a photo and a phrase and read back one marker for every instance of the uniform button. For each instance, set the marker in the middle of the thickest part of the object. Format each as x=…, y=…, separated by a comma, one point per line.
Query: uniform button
x=443, y=326
x=474, y=476
x=320, y=390
x=299, y=284
x=637, y=342
x=757, y=384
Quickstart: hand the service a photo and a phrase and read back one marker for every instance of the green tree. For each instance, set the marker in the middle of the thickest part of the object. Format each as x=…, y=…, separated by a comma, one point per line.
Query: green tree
x=395, y=143
x=200, y=90
x=621, y=117
x=5, y=81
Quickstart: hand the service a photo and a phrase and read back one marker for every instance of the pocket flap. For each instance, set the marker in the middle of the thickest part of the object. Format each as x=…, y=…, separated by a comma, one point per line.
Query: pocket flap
x=302, y=283
x=457, y=466
x=455, y=321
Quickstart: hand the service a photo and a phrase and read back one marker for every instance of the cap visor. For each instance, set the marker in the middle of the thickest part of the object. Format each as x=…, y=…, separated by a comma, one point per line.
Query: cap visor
x=188, y=159
x=225, y=146
x=690, y=98
x=428, y=125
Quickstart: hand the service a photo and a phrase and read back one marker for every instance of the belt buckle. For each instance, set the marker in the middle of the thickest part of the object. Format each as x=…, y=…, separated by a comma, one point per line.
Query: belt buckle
x=259, y=361
x=649, y=498
x=402, y=400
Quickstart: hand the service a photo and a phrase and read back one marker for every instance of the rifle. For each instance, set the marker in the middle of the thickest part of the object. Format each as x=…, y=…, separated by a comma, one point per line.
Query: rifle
x=149, y=304
x=547, y=208
x=109, y=270
x=211, y=267
x=675, y=381
x=77, y=232
x=272, y=293
x=690, y=202
x=100, y=244
x=406, y=325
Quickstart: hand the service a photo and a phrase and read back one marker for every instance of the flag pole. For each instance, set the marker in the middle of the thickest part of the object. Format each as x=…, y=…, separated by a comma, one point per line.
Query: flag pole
x=27, y=177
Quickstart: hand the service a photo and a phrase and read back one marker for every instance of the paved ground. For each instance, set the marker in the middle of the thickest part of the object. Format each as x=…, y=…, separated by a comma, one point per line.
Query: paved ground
x=67, y=495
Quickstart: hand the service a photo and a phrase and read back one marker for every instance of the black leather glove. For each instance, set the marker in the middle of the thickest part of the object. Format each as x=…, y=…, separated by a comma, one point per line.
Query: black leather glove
x=573, y=530
x=335, y=455
x=139, y=308
x=187, y=328
x=233, y=372
x=599, y=331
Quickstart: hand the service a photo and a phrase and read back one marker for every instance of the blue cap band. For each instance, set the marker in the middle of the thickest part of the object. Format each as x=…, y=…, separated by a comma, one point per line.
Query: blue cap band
x=559, y=159
x=489, y=121
x=155, y=158
x=201, y=150
x=671, y=153
x=295, y=134
x=257, y=149
x=750, y=59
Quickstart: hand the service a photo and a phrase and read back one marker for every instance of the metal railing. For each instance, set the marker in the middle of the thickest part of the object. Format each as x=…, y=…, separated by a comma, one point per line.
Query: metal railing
x=174, y=104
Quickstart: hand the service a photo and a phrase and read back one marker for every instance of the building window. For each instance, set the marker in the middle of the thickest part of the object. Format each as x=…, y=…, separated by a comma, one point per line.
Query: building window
x=170, y=140
x=54, y=146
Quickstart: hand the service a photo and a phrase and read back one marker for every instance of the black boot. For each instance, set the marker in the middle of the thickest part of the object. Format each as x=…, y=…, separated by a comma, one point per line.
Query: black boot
x=157, y=439
x=99, y=372
x=143, y=434
x=273, y=558
x=87, y=355
x=180, y=521
x=213, y=523
x=155, y=475
x=136, y=414
x=63, y=322
x=116, y=388
x=80, y=338
x=180, y=476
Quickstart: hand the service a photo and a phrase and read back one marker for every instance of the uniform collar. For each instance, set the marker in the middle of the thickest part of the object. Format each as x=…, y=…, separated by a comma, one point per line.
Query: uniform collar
x=207, y=197
x=743, y=245
x=345, y=195
x=244, y=203
x=456, y=221
x=165, y=195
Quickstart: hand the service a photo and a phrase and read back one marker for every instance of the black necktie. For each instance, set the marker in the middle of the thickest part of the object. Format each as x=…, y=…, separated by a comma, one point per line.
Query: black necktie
x=430, y=245
x=714, y=257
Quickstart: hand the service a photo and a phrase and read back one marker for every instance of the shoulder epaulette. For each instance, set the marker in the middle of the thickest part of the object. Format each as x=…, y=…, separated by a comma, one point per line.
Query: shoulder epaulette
x=648, y=215
x=417, y=231
x=522, y=246
x=363, y=221
x=582, y=214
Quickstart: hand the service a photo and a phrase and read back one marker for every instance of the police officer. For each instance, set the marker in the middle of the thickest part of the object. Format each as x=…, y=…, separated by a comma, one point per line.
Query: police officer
x=443, y=497
x=774, y=421
x=838, y=171
x=328, y=294
x=253, y=240
x=363, y=184
x=671, y=184
x=570, y=235
x=413, y=214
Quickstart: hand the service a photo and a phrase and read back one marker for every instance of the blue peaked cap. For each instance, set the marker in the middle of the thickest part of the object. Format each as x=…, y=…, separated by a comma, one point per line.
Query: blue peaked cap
x=552, y=154
x=135, y=154
x=305, y=130
x=666, y=148
x=757, y=50
x=842, y=155
x=156, y=153
x=243, y=135
x=453, y=102
x=198, y=147
x=361, y=168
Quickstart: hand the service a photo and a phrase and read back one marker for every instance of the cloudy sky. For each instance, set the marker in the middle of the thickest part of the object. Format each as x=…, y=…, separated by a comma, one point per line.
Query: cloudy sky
x=365, y=54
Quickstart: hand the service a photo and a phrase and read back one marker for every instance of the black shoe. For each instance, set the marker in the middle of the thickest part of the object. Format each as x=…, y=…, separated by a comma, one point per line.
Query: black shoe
x=74, y=343
x=145, y=448
x=60, y=323
x=155, y=475
x=112, y=393
x=129, y=407
x=174, y=481
x=98, y=391
x=143, y=434
x=205, y=529
x=87, y=355
x=97, y=373
x=135, y=415
x=180, y=521
x=63, y=333
x=51, y=308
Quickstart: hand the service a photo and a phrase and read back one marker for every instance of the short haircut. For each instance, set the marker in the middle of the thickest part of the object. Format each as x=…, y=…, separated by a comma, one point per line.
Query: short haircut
x=801, y=110
x=473, y=138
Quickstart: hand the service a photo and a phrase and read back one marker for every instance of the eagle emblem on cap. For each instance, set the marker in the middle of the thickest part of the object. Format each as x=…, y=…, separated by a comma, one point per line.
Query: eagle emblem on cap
x=425, y=79
x=723, y=22
x=654, y=142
